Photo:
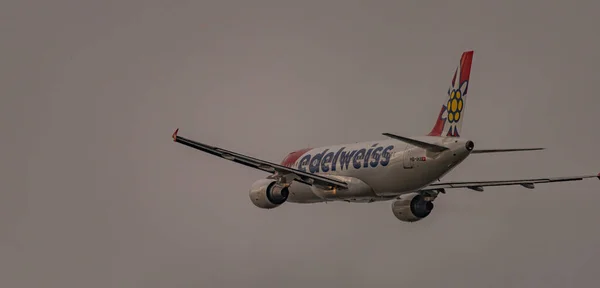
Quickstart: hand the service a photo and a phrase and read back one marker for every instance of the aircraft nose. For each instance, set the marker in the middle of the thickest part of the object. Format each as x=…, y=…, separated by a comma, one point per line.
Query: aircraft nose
x=469, y=145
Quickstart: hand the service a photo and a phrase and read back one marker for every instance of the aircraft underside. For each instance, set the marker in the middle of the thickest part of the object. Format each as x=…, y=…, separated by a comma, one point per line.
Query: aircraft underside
x=408, y=207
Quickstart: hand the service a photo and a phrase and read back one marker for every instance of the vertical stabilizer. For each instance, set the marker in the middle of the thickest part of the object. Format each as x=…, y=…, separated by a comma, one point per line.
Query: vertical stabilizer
x=452, y=113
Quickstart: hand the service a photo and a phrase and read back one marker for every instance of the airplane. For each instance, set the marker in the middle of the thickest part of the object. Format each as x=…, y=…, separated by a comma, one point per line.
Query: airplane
x=403, y=169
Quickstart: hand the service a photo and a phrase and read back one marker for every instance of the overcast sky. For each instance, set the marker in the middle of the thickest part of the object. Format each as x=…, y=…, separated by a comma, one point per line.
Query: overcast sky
x=95, y=193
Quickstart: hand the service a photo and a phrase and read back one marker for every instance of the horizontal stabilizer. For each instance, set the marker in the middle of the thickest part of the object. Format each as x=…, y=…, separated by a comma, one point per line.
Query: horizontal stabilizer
x=420, y=144
x=481, y=151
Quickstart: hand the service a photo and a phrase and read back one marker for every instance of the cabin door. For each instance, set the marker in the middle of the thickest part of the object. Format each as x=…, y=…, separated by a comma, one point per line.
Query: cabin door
x=408, y=161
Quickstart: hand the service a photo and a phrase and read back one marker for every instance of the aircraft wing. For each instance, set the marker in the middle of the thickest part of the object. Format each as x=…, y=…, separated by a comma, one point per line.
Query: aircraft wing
x=527, y=183
x=300, y=176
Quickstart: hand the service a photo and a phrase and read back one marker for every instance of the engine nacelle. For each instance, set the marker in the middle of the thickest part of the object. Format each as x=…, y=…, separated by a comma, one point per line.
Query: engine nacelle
x=411, y=207
x=267, y=194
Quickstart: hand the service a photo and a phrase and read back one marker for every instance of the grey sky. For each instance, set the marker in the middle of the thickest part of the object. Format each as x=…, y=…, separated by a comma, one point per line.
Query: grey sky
x=95, y=194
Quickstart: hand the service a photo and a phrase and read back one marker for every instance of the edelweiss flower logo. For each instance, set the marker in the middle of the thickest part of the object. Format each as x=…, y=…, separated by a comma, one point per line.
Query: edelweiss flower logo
x=455, y=105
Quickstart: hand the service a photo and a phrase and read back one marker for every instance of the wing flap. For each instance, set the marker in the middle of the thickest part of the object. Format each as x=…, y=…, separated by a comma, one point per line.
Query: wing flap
x=300, y=176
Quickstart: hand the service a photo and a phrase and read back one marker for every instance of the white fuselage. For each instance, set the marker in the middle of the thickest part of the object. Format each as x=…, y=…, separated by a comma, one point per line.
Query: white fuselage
x=376, y=170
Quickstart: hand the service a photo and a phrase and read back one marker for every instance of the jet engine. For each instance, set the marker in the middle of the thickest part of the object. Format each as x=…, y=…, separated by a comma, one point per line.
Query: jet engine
x=412, y=207
x=267, y=194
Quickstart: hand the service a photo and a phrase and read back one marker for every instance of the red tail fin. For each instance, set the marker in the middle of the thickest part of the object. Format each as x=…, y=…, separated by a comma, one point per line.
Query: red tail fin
x=449, y=121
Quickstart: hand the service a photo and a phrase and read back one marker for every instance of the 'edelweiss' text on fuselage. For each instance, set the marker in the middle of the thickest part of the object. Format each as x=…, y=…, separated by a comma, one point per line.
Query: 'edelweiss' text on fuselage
x=358, y=158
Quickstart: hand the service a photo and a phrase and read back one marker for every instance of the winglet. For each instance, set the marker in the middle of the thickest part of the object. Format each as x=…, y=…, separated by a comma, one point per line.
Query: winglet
x=598, y=176
x=175, y=134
